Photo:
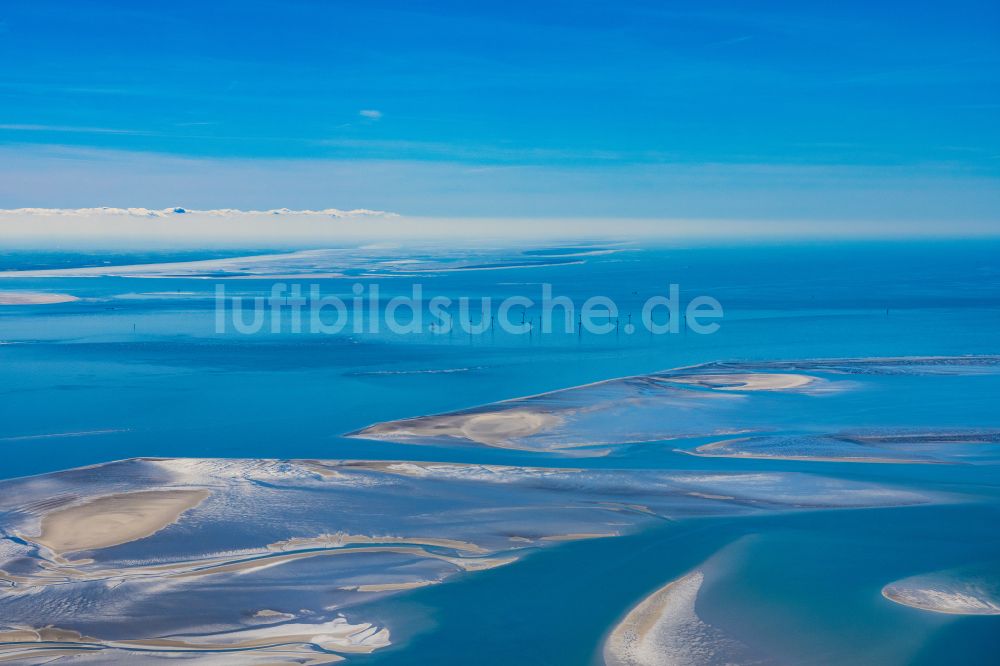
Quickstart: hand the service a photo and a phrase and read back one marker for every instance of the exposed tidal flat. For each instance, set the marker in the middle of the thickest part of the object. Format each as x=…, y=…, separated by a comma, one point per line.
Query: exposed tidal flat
x=699, y=401
x=843, y=428
x=366, y=261
x=894, y=447
x=969, y=591
x=665, y=629
x=33, y=298
x=116, y=546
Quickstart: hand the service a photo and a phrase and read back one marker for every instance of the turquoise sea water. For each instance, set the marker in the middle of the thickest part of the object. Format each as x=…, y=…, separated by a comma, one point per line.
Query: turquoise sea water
x=136, y=368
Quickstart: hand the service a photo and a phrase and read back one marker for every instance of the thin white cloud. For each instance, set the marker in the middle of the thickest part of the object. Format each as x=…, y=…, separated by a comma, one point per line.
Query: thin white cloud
x=182, y=227
x=21, y=127
x=371, y=114
x=179, y=211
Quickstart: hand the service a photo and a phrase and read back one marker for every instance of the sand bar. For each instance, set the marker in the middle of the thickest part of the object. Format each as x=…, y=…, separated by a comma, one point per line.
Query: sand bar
x=33, y=298
x=748, y=381
x=114, y=519
x=950, y=597
x=299, y=639
x=498, y=428
x=653, y=632
x=664, y=629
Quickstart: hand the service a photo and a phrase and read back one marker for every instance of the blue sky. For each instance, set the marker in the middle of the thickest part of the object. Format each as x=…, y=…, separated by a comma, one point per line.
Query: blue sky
x=648, y=109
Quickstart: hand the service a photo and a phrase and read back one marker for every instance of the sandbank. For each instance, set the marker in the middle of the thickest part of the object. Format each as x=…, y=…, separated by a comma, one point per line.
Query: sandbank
x=114, y=519
x=489, y=428
x=949, y=597
x=33, y=298
x=748, y=381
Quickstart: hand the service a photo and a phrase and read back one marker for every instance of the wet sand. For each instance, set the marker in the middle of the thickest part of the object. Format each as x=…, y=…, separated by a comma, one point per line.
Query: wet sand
x=729, y=448
x=889, y=447
x=463, y=517
x=950, y=597
x=389, y=587
x=33, y=298
x=750, y=381
x=114, y=519
x=298, y=640
x=340, y=540
x=664, y=629
x=59, y=571
x=490, y=428
x=655, y=631
x=580, y=536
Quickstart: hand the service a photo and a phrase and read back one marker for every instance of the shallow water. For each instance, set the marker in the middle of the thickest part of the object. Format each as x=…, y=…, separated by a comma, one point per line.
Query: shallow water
x=135, y=368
